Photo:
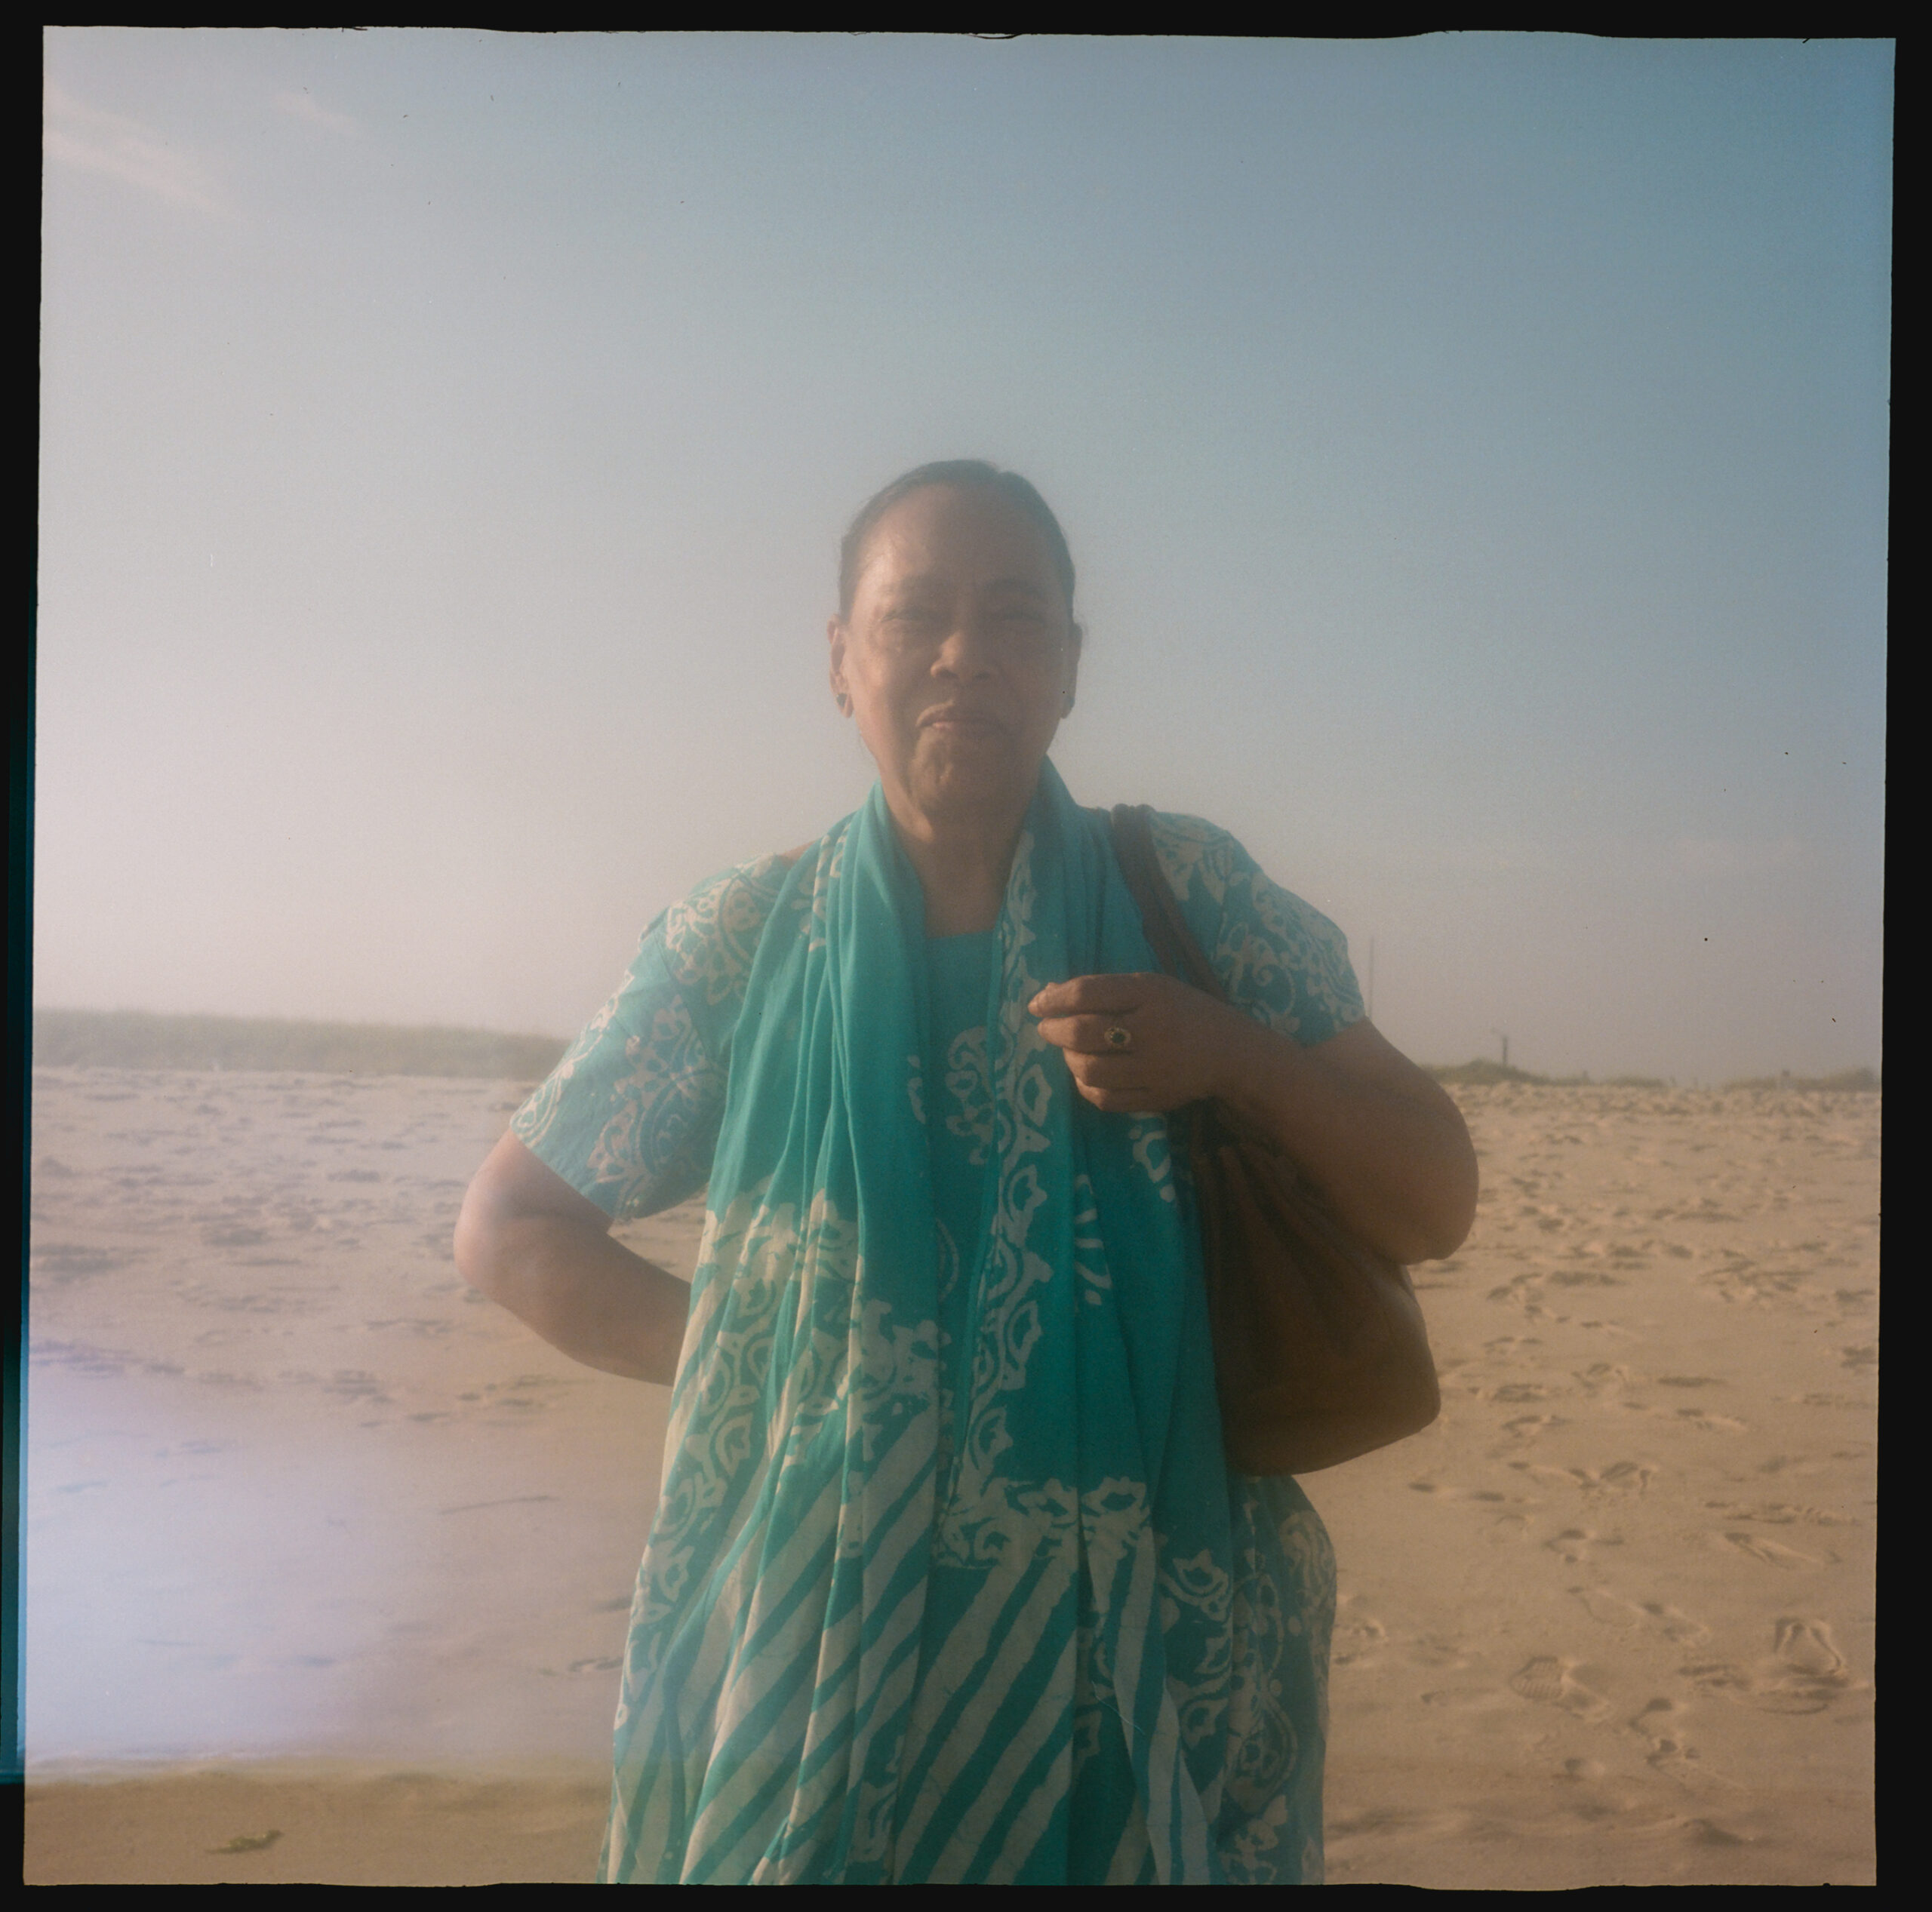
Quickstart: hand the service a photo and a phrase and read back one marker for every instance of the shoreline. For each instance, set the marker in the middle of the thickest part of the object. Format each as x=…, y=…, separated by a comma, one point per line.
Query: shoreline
x=317, y=1821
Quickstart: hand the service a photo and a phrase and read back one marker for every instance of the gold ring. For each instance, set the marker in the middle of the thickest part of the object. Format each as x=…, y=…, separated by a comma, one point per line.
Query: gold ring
x=1118, y=1037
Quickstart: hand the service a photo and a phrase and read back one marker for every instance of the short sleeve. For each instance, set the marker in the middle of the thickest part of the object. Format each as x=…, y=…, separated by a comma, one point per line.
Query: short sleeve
x=1278, y=957
x=630, y=1116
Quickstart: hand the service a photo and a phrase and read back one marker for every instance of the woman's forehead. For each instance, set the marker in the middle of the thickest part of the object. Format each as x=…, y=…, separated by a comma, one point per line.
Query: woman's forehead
x=946, y=535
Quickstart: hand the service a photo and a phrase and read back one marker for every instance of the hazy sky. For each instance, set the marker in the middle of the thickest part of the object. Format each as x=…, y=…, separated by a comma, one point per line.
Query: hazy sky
x=1474, y=448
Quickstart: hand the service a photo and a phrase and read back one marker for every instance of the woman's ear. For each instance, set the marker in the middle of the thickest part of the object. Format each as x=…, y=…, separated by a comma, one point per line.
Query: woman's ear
x=834, y=631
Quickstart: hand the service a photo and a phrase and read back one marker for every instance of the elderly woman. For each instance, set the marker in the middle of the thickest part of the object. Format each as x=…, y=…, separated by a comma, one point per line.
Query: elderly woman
x=949, y=1579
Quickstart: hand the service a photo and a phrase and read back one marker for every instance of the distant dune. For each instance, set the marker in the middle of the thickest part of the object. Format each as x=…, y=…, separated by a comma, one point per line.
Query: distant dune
x=1484, y=1074
x=132, y=1039
x=1865, y=1080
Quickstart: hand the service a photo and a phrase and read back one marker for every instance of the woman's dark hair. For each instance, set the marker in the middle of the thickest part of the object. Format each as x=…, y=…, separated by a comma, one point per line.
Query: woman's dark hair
x=974, y=473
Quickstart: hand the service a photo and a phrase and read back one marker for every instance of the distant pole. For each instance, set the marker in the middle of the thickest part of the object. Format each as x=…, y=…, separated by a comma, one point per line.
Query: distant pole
x=1505, y=1040
x=1371, y=978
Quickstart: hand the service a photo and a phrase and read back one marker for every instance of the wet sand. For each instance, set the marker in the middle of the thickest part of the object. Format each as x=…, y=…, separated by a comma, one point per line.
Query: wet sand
x=321, y=1545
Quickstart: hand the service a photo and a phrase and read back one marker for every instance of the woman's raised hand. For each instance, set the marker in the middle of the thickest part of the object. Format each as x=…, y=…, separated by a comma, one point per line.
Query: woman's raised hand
x=1143, y=1043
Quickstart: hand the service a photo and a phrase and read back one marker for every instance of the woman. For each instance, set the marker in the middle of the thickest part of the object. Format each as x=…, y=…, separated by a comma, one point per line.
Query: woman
x=948, y=1579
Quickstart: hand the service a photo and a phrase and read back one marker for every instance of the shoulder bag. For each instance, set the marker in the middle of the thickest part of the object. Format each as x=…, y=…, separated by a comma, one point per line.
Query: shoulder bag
x=1320, y=1353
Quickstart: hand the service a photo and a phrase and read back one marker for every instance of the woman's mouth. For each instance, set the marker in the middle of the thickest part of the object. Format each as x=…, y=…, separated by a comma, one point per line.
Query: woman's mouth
x=950, y=722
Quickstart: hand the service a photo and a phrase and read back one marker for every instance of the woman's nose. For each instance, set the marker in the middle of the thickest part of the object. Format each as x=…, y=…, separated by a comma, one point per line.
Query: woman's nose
x=966, y=652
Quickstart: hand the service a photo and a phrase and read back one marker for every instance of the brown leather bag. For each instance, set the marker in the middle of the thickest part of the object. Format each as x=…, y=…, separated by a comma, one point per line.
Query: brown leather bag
x=1320, y=1353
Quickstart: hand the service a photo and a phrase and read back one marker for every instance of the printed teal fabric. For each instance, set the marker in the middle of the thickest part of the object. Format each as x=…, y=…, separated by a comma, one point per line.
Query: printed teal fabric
x=949, y=1581
x=959, y=1116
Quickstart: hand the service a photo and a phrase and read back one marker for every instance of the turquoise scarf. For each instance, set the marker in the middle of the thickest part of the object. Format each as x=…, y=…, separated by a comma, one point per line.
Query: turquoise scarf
x=915, y=1611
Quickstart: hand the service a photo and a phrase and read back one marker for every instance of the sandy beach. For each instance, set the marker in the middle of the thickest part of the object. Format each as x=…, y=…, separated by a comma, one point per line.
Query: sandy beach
x=328, y=1561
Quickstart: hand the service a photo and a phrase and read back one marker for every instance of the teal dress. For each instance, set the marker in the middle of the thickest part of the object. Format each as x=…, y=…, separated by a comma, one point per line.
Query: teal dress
x=948, y=1579
x=959, y=1127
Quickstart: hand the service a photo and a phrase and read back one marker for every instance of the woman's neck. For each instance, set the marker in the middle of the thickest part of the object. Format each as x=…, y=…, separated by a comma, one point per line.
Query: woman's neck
x=963, y=864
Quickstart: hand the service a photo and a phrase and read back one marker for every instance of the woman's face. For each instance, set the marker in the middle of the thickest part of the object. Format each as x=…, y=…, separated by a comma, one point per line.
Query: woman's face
x=959, y=655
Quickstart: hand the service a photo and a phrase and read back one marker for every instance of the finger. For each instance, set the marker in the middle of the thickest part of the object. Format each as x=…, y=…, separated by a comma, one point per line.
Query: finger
x=1107, y=1072
x=1091, y=995
x=1122, y=1101
x=1088, y=1034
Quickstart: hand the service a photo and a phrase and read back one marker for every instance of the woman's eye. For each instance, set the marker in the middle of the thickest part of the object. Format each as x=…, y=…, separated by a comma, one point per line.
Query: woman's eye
x=1026, y=627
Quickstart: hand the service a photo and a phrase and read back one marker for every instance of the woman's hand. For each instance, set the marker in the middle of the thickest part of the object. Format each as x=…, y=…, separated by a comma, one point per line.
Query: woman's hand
x=1382, y=1140
x=1178, y=1044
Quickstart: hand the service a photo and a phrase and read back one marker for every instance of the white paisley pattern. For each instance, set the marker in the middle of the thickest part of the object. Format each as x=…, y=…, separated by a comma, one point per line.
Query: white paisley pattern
x=969, y=1083
x=923, y=1603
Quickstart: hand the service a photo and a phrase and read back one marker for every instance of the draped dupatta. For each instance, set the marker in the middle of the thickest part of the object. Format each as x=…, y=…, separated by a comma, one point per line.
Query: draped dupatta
x=981, y=1605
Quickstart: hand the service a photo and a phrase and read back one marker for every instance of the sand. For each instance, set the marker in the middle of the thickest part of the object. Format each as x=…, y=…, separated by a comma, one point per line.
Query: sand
x=322, y=1547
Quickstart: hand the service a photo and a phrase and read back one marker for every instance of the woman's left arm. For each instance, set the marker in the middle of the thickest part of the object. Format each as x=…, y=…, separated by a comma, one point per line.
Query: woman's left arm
x=1382, y=1140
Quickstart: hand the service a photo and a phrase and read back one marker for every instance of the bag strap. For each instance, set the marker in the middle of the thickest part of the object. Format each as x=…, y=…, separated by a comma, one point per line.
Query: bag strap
x=1174, y=944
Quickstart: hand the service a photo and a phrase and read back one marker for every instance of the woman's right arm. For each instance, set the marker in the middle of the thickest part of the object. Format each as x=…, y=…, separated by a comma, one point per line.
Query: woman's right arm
x=527, y=1240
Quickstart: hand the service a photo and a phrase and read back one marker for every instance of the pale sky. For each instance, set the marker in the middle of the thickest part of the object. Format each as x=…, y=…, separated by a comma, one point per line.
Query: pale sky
x=1474, y=449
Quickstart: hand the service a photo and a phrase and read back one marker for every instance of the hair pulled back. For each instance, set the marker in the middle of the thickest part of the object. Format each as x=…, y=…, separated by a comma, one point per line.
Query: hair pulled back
x=965, y=474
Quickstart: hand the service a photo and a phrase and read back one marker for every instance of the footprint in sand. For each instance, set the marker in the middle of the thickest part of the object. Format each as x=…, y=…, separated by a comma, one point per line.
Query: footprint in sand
x=1709, y=1423
x=1466, y=1699
x=1381, y=1822
x=1720, y=1677
x=1793, y=1464
x=1675, y=1624
x=1614, y=1329
x=1619, y=1477
x=1531, y=1426
x=1601, y=1377
x=1523, y=1292
x=1358, y=1638
x=1804, y=1673
x=1552, y=1681
x=1770, y=1552
x=1780, y=1513
x=1670, y=1753
x=1630, y=1616
x=1575, y=1544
